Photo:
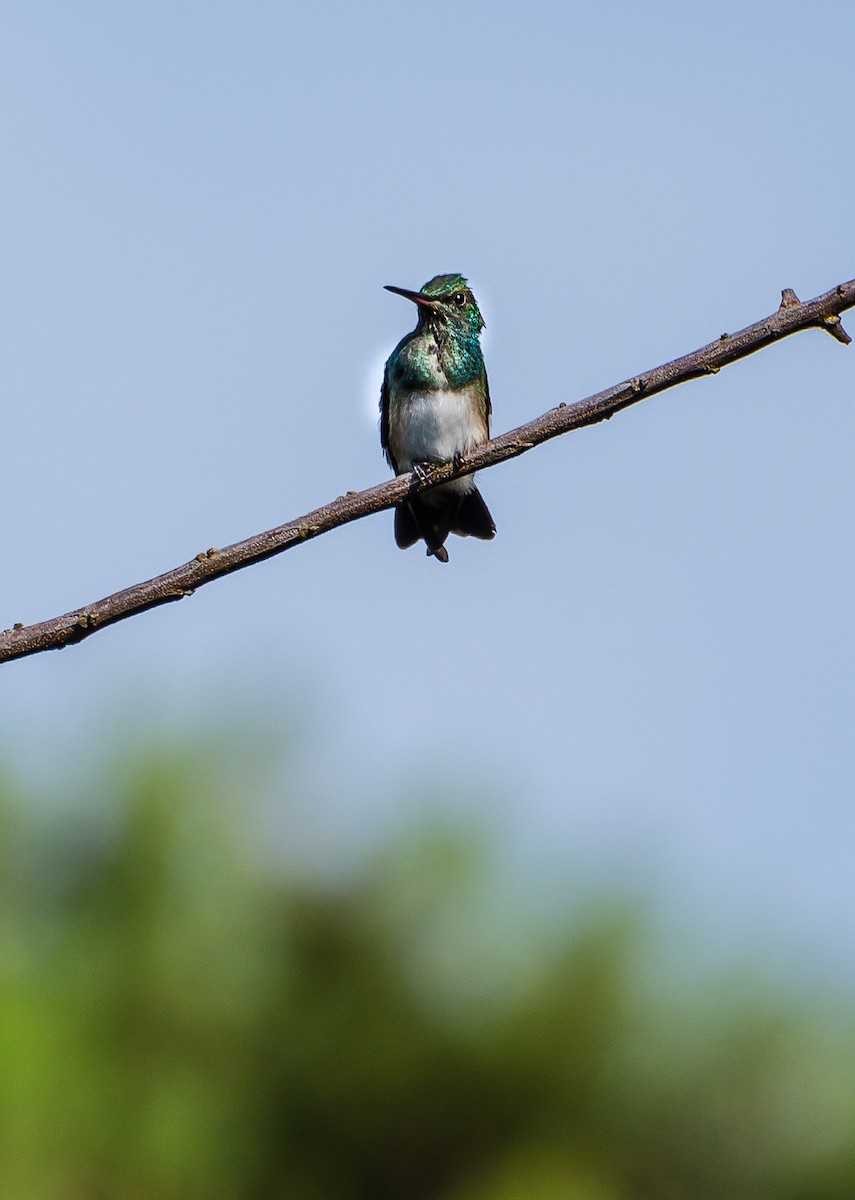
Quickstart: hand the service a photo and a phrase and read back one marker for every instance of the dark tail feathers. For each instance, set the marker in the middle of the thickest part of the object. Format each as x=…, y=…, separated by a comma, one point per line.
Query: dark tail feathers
x=472, y=518
x=466, y=515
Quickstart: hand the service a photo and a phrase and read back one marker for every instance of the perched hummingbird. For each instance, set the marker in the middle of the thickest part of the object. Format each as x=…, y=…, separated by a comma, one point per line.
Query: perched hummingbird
x=435, y=406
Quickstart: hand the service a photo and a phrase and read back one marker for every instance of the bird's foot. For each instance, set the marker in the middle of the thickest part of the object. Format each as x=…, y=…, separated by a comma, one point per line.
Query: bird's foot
x=423, y=471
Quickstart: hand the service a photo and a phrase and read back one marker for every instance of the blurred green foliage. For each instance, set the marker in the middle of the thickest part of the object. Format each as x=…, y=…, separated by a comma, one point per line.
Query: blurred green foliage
x=182, y=1017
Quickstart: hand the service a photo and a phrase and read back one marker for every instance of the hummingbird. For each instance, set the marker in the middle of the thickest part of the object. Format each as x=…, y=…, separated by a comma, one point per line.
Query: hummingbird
x=435, y=406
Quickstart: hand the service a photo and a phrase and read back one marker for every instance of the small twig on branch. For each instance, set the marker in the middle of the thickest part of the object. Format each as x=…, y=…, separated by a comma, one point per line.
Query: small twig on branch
x=792, y=316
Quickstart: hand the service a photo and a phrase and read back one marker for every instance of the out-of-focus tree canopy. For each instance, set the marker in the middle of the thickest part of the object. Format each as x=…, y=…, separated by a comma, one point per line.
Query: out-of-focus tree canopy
x=180, y=1019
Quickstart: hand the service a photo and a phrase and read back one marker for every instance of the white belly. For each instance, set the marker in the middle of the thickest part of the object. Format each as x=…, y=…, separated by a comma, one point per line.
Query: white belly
x=433, y=427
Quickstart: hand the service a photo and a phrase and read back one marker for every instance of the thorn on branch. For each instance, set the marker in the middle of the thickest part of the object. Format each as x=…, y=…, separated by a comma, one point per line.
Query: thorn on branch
x=832, y=325
x=789, y=299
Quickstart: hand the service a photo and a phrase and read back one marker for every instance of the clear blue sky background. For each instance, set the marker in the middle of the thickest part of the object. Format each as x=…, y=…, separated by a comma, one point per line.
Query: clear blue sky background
x=651, y=668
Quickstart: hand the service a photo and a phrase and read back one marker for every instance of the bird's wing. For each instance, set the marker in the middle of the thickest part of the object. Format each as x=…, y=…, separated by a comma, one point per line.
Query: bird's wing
x=384, y=421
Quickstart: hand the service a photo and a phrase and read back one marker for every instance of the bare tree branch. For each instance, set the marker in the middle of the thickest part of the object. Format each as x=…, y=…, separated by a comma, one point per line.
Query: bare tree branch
x=792, y=316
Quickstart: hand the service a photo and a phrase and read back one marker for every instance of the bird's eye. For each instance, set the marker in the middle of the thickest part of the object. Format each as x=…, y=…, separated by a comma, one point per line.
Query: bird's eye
x=459, y=298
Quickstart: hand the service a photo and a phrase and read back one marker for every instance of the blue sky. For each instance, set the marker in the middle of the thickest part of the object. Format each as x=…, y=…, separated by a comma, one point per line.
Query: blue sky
x=651, y=668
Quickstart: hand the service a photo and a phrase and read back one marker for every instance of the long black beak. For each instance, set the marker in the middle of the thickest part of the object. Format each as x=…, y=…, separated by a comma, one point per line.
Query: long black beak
x=416, y=297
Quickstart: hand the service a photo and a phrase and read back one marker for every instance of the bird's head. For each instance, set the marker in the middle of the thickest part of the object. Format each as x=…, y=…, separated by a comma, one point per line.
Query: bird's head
x=446, y=300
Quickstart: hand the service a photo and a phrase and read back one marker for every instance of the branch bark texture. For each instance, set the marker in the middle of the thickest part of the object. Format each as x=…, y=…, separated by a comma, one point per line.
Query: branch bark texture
x=792, y=316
